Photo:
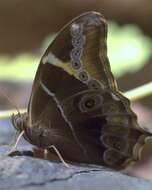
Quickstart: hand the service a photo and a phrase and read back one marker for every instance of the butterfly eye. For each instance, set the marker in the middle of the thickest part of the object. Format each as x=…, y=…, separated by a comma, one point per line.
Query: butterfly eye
x=83, y=76
x=19, y=121
x=90, y=103
x=76, y=64
x=93, y=83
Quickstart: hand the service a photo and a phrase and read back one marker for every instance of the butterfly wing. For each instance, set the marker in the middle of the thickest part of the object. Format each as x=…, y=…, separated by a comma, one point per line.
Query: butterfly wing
x=75, y=97
x=79, y=50
x=73, y=63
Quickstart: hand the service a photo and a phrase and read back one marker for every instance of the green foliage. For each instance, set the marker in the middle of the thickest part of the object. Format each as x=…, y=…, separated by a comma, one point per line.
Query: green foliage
x=128, y=51
x=128, y=48
x=22, y=67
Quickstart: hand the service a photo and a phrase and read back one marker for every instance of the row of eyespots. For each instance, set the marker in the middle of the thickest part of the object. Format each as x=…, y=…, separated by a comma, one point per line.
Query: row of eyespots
x=78, y=41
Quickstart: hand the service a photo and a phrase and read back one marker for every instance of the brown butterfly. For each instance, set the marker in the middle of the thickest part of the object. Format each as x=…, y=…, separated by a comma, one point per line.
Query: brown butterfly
x=75, y=104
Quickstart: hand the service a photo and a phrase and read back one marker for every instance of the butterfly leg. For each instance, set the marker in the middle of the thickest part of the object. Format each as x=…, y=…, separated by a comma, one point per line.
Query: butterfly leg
x=48, y=154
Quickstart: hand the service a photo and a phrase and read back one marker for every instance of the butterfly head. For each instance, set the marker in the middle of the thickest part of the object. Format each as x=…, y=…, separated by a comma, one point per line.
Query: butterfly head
x=19, y=121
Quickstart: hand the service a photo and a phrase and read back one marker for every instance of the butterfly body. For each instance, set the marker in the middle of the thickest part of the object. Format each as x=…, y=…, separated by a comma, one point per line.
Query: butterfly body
x=75, y=104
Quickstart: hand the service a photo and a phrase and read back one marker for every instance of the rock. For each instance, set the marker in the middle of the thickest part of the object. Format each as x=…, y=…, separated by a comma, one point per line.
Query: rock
x=34, y=174
x=28, y=173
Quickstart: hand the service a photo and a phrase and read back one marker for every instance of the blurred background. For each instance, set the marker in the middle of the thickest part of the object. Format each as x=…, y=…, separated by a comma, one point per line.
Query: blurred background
x=27, y=27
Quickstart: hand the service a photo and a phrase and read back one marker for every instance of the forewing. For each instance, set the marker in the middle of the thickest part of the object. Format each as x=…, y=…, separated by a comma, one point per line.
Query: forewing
x=76, y=60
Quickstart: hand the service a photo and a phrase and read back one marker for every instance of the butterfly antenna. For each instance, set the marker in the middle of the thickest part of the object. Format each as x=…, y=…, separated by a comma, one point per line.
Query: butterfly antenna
x=10, y=101
x=59, y=155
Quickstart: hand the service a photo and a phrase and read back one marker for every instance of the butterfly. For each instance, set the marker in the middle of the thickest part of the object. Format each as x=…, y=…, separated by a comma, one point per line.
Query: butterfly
x=75, y=104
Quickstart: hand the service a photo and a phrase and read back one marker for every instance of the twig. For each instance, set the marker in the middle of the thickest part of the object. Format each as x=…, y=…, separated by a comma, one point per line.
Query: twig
x=139, y=92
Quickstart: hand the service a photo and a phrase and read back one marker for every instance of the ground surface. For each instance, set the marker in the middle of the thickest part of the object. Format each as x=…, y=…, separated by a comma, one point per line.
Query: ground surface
x=34, y=174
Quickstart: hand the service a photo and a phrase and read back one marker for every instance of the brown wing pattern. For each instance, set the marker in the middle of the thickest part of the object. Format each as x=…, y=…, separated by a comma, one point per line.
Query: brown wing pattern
x=80, y=50
x=75, y=104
